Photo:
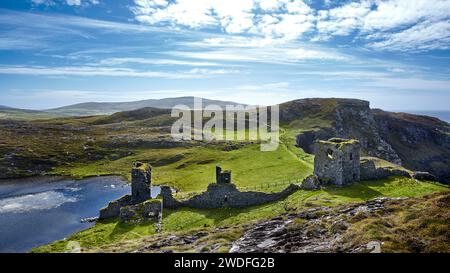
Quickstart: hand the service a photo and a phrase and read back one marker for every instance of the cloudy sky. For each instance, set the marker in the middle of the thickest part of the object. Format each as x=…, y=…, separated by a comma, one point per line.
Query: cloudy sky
x=395, y=53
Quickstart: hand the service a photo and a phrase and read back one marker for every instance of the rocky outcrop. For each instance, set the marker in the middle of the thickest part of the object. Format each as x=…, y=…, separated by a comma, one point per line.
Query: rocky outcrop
x=422, y=142
x=424, y=176
x=345, y=118
x=415, y=142
x=315, y=230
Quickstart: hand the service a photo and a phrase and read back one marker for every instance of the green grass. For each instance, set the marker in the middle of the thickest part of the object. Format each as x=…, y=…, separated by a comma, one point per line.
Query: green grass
x=192, y=169
x=185, y=219
x=101, y=234
x=16, y=114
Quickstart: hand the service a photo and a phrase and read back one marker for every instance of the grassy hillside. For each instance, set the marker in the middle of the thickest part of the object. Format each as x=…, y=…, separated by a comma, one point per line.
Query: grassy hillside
x=108, y=145
x=20, y=114
x=114, y=236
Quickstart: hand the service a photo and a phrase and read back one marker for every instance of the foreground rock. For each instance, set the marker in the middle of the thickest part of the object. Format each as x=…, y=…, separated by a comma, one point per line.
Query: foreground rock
x=379, y=225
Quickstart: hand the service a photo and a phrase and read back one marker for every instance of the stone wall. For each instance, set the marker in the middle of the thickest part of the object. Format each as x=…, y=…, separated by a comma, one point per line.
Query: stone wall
x=369, y=171
x=225, y=195
x=337, y=161
x=113, y=208
x=149, y=210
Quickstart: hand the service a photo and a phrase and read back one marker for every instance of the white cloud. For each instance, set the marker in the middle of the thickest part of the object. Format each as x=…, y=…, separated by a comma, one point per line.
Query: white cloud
x=73, y=2
x=88, y=71
x=270, y=55
x=232, y=16
x=119, y=61
x=403, y=25
x=67, y=2
x=422, y=37
x=258, y=50
x=383, y=24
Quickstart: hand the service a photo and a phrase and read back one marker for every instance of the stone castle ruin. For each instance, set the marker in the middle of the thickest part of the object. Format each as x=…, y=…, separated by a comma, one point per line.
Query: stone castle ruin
x=337, y=161
x=222, y=177
x=139, y=204
x=224, y=193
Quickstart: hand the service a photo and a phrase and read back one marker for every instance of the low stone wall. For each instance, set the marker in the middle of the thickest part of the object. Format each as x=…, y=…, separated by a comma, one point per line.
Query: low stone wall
x=424, y=176
x=369, y=171
x=113, y=208
x=149, y=210
x=224, y=195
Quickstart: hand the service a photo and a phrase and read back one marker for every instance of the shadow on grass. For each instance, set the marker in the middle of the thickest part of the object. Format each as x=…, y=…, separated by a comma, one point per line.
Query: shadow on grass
x=124, y=228
x=356, y=191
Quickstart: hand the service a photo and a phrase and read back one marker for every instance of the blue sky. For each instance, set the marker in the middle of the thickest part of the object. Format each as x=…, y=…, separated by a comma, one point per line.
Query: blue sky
x=394, y=53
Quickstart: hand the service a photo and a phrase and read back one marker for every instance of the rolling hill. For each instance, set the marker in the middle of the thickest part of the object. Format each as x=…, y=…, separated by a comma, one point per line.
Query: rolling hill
x=107, y=108
x=23, y=114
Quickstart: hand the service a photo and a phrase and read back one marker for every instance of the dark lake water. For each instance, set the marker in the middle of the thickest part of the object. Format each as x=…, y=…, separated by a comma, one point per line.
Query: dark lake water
x=34, y=212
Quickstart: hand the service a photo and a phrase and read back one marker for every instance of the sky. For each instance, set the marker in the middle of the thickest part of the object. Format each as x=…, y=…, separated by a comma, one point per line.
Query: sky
x=394, y=53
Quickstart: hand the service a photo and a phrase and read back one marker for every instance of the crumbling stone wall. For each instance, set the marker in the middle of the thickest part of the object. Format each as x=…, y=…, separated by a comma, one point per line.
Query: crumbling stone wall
x=149, y=210
x=168, y=200
x=369, y=171
x=113, y=208
x=337, y=161
x=225, y=195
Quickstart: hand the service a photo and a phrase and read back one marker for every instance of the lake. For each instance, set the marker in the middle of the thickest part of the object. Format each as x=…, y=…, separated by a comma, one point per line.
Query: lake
x=38, y=211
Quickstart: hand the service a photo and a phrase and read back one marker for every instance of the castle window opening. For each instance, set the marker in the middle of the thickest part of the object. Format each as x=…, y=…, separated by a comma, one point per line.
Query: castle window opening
x=330, y=154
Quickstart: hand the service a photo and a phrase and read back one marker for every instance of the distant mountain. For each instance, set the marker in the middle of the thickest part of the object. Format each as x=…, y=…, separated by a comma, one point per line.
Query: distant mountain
x=107, y=108
x=23, y=114
x=134, y=115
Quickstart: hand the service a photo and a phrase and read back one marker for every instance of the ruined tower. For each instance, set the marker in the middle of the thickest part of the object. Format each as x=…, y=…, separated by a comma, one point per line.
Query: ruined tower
x=222, y=177
x=337, y=161
x=141, y=181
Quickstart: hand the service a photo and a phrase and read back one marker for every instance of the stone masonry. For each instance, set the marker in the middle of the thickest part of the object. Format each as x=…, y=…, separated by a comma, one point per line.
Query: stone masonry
x=222, y=177
x=337, y=161
x=138, y=205
x=141, y=180
x=224, y=194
